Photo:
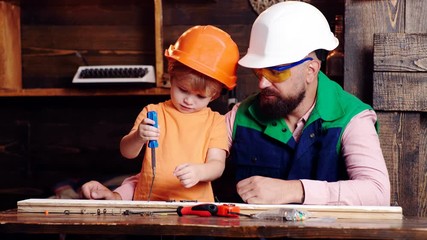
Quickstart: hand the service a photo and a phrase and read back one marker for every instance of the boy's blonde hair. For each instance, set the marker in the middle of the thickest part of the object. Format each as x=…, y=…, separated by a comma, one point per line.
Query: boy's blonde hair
x=199, y=82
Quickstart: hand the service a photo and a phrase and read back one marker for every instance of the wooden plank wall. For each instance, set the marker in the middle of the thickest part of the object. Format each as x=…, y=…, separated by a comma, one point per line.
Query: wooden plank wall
x=400, y=87
x=398, y=83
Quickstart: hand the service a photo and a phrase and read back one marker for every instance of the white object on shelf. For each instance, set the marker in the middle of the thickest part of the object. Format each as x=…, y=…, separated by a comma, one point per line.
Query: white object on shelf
x=114, y=74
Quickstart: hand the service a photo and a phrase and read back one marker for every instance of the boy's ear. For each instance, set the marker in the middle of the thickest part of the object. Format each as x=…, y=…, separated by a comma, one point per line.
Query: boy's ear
x=222, y=93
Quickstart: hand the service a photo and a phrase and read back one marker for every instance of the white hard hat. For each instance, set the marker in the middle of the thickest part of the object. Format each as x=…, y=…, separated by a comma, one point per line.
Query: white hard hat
x=287, y=32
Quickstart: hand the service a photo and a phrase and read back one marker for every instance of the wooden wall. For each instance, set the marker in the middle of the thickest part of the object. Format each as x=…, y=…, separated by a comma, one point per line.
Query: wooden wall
x=385, y=63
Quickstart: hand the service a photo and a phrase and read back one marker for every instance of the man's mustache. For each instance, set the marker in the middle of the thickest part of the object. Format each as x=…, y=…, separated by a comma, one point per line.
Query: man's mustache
x=269, y=92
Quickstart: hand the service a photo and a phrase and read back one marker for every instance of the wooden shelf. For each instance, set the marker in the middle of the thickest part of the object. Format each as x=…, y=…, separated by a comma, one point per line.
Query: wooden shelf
x=11, y=69
x=88, y=92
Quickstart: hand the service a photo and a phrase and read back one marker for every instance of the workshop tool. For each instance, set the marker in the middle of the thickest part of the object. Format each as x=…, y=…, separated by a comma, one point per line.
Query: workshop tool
x=282, y=214
x=231, y=210
x=279, y=214
x=201, y=210
x=153, y=145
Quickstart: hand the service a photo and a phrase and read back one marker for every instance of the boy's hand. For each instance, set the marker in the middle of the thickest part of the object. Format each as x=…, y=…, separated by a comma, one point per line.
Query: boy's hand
x=95, y=190
x=188, y=174
x=147, y=131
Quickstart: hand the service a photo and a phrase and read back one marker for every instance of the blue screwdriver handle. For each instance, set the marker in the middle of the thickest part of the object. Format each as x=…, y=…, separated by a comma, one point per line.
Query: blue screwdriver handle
x=153, y=116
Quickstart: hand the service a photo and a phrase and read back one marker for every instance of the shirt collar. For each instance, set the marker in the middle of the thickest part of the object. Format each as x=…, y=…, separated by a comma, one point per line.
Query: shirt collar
x=327, y=106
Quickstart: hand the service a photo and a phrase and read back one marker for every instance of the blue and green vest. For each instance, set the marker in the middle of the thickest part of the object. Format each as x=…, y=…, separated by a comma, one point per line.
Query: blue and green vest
x=267, y=148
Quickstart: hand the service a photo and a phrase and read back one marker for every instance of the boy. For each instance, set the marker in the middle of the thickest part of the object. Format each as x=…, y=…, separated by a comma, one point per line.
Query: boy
x=192, y=138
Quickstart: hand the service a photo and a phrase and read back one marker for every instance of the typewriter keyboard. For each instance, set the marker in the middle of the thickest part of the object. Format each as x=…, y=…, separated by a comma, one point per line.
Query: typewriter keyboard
x=115, y=74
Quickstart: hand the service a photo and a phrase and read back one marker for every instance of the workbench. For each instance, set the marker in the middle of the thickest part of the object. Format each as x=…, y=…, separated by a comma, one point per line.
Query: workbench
x=167, y=225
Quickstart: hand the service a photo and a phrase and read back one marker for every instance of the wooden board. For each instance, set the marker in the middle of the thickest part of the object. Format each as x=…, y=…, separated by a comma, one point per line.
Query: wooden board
x=399, y=87
x=400, y=52
x=10, y=46
x=400, y=91
x=362, y=20
x=401, y=142
x=73, y=206
x=400, y=65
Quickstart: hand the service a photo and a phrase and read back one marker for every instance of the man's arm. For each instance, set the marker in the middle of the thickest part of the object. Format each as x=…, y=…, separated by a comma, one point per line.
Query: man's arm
x=369, y=182
x=229, y=121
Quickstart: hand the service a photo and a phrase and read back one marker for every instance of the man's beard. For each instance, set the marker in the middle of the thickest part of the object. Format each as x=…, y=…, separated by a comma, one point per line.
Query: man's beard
x=278, y=107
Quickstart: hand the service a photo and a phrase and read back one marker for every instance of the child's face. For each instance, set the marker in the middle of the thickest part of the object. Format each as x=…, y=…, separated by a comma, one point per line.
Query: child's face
x=185, y=99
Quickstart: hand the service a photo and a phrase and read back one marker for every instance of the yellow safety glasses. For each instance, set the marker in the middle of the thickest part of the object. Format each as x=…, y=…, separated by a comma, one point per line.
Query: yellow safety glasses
x=280, y=73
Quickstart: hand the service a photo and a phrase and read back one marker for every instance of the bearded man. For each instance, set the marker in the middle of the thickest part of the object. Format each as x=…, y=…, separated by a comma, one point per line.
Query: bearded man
x=302, y=138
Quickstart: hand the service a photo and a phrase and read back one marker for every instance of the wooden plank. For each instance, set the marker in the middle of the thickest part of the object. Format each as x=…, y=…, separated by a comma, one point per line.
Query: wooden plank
x=416, y=16
x=400, y=138
x=67, y=92
x=400, y=52
x=83, y=12
x=422, y=170
x=362, y=20
x=213, y=13
x=158, y=39
x=10, y=46
x=391, y=145
x=73, y=206
x=88, y=37
x=396, y=91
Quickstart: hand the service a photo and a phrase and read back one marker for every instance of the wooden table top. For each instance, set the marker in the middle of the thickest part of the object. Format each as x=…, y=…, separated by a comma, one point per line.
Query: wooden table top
x=407, y=228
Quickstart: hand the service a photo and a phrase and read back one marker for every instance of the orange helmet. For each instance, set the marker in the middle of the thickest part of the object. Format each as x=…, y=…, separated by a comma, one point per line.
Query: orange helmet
x=208, y=50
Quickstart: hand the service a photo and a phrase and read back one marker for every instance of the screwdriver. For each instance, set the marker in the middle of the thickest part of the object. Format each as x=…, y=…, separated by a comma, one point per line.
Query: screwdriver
x=153, y=145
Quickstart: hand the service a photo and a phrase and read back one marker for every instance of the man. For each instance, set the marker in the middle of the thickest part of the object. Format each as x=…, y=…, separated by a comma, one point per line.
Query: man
x=302, y=139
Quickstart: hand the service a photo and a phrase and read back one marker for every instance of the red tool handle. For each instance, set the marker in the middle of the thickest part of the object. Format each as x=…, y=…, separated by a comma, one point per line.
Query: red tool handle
x=208, y=210
x=202, y=210
x=228, y=210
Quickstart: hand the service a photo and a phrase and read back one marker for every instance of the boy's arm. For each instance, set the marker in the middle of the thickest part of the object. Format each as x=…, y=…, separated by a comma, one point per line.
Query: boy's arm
x=142, y=131
x=214, y=166
x=131, y=144
x=190, y=174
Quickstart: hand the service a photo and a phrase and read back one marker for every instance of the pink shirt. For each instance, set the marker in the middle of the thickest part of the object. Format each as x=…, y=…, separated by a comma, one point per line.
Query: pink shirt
x=369, y=182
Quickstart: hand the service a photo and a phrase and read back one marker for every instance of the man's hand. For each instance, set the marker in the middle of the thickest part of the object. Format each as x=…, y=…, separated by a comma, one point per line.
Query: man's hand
x=263, y=190
x=95, y=190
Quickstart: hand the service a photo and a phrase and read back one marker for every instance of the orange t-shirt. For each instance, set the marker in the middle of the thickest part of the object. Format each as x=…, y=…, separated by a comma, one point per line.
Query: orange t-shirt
x=184, y=138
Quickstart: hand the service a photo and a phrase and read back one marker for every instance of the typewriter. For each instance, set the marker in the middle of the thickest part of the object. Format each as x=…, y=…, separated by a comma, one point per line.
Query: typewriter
x=115, y=75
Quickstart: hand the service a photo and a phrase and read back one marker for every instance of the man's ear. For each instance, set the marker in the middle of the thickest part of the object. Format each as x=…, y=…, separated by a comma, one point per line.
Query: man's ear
x=313, y=69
